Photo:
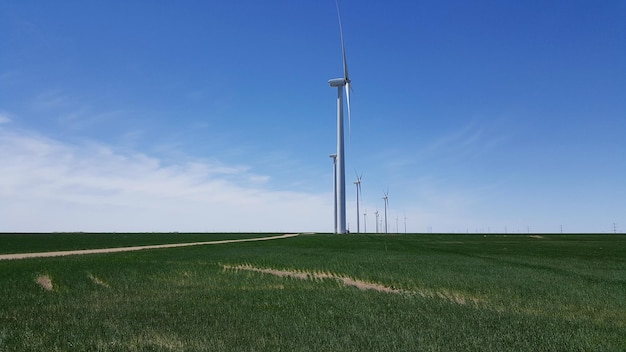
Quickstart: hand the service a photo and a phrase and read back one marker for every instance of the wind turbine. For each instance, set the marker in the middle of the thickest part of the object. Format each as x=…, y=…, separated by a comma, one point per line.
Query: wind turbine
x=397, y=230
x=404, y=222
x=358, y=191
x=340, y=178
x=365, y=221
x=376, y=213
x=386, y=198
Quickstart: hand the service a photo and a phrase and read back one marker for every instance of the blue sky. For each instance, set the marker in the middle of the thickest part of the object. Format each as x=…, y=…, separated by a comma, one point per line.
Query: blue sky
x=217, y=116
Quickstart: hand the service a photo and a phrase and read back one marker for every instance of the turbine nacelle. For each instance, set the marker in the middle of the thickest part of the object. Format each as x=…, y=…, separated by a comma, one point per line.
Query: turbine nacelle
x=338, y=82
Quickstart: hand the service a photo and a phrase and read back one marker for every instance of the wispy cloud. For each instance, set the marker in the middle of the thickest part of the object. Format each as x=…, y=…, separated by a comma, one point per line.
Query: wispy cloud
x=462, y=144
x=71, y=111
x=49, y=185
x=84, y=117
x=4, y=118
x=448, y=149
x=9, y=76
x=52, y=99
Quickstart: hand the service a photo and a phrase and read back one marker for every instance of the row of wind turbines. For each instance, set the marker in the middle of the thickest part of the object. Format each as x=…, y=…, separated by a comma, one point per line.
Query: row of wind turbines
x=384, y=227
x=339, y=167
x=385, y=198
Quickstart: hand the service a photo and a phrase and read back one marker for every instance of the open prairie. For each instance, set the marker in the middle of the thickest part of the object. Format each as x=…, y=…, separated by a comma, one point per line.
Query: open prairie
x=316, y=293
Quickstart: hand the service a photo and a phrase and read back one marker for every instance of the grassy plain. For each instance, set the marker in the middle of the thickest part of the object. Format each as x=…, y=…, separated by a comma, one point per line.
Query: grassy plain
x=427, y=293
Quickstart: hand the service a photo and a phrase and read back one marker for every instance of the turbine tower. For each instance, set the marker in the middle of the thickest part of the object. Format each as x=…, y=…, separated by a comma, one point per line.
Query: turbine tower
x=340, y=178
x=334, y=157
x=386, y=199
x=358, y=191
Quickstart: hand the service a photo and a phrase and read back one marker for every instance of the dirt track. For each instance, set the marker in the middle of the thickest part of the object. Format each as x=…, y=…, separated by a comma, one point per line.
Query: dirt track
x=135, y=248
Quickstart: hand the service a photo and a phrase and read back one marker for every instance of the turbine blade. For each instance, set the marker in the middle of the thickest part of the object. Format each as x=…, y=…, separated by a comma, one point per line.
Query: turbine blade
x=343, y=49
x=346, y=77
x=345, y=62
x=348, y=102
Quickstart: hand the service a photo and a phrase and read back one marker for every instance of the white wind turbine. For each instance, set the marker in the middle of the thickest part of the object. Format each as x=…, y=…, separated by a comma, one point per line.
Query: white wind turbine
x=386, y=198
x=376, y=213
x=365, y=221
x=340, y=177
x=358, y=192
x=404, y=222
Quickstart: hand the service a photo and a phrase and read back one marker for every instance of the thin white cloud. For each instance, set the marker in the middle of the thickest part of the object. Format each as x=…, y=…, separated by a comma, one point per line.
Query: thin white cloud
x=71, y=111
x=5, y=117
x=52, y=99
x=9, y=76
x=459, y=144
x=83, y=117
x=48, y=185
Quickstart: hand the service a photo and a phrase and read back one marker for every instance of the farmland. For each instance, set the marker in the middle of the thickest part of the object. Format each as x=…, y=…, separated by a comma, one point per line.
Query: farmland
x=316, y=293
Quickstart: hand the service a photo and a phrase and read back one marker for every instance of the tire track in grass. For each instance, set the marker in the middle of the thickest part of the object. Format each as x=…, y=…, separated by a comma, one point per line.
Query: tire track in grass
x=135, y=248
x=456, y=297
x=567, y=313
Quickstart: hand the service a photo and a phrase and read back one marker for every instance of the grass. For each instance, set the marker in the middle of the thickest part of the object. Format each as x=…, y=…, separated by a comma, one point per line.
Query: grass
x=456, y=293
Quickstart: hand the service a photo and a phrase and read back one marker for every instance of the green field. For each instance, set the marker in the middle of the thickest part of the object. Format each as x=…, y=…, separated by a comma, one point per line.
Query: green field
x=317, y=293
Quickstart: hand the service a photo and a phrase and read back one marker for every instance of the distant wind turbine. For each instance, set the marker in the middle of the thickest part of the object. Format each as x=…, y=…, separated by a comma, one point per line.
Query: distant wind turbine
x=397, y=230
x=404, y=222
x=386, y=199
x=340, y=178
x=365, y=221
x=358, y=191
x=376, y=213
